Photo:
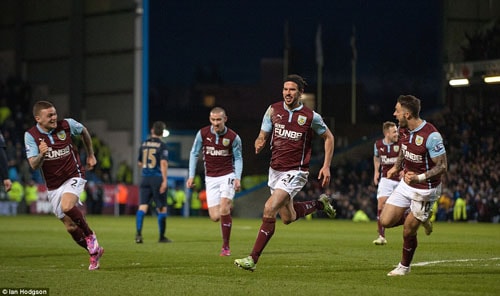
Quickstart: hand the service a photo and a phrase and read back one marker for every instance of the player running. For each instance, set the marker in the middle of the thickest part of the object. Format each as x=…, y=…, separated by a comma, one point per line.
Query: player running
x=385, y=153
x=290, y=125
x=49, y=147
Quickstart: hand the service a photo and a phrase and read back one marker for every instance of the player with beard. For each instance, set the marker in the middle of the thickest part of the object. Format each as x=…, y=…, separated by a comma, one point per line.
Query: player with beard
x=385, y=153
x=49, y=147
x=423, y=158
x=291, y=126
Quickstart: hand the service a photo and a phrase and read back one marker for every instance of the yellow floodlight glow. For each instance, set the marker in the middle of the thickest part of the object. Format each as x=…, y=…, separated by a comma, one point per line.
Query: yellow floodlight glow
x=492, y=79
x=459, y=82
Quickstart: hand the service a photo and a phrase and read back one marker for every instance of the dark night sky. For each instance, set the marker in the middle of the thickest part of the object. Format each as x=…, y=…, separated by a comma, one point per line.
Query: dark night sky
x=398, y=41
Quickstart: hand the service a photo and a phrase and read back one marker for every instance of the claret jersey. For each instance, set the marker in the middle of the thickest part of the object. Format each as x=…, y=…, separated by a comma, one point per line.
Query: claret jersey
x=388, y=154
x=419, y=146
x=62, y=161
x=291, y=135
x=222, y=153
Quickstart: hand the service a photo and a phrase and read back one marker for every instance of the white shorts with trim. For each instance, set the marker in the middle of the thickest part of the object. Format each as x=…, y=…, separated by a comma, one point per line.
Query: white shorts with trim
x=73, y=185
x=219, y=187
x=420, y=201
x=386, y=187
x=289, y=181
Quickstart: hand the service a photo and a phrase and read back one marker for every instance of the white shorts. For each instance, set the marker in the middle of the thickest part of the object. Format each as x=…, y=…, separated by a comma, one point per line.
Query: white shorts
x=219, y=187
x=73, y=185
x=386, y=187
x=420, y=201
x=290, y=181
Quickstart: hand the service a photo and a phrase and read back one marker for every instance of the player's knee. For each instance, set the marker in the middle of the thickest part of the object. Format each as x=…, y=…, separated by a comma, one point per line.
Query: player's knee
x=214, y=218
x=64, y=208
x=409, y=231
x=269, y=211
x=384, y=221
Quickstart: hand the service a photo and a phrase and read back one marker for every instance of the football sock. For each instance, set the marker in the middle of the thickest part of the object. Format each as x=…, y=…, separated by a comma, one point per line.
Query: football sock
x=305, y=208
x=409, y=246
x=162, y=223
x=76, y=215
x=381, y=229
x=266, y=231
x=139, y=219
x=226, y=222
x=79, y=237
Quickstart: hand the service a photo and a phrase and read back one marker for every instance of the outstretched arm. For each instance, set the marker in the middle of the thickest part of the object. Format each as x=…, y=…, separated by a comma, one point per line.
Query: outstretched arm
x=87, y=143
x=324, y=173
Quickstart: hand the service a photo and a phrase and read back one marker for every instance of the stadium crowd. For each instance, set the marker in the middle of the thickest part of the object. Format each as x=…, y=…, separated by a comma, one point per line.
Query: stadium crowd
x=471, y=188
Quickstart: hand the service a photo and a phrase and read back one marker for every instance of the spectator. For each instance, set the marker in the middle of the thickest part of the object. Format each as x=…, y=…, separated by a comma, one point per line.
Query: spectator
x=124, y=173
x=122, y=198
x=195, y=203
x=105, y=163
x=459, y=209
x=30, y=194
x=16, y=194
x=95, y=198
x=179, y=200
x=204, y=205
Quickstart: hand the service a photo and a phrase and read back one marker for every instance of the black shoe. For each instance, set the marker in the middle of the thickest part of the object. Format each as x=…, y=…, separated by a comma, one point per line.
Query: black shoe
x=164, y=240
x=138, y=239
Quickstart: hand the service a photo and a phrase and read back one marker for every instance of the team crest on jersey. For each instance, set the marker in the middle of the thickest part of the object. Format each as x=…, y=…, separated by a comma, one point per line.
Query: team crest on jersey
x=396, y=148
x=419, y=140
x=225, y=142
x=301, y=120
x=61, y=135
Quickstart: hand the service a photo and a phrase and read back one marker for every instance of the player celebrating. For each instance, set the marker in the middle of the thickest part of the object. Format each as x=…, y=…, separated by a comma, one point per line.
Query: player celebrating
x=291, y=126
x=222, y=156
x=424, y=157
x=49, y=147
x=385, y=153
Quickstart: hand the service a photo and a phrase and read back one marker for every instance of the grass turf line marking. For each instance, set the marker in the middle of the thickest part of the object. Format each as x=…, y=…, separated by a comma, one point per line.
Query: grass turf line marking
x=454, y=260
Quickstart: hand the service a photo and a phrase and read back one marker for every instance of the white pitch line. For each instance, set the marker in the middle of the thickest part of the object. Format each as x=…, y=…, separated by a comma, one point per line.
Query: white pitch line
x=454, y=260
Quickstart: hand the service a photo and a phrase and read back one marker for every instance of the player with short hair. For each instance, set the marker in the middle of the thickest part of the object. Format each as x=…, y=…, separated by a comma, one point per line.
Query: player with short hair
x=223, y=162
x=49, y=147
x=423, y=157
x=385, y=153
x=291, y=126
x=153, y=163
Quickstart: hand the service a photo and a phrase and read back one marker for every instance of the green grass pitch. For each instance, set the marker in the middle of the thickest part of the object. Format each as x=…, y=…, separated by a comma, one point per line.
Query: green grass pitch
x=308, y=257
